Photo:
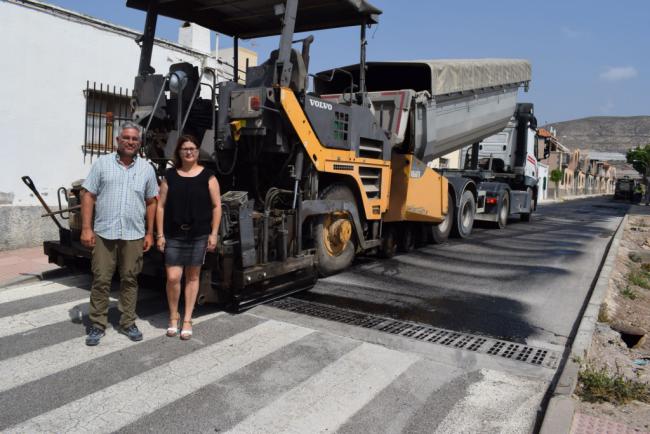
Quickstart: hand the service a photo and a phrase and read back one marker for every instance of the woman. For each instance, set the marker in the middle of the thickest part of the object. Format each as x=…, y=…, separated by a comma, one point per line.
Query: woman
x=187, y=223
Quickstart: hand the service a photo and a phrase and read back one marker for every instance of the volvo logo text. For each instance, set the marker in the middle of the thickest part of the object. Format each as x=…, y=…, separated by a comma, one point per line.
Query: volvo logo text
x=320, y=104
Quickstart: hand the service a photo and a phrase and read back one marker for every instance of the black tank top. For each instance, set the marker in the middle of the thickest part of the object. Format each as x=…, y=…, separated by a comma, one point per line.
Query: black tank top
x=188, y=208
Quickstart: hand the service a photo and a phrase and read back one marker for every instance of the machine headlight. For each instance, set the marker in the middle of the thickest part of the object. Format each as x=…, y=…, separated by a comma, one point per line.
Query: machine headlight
x=177, y=81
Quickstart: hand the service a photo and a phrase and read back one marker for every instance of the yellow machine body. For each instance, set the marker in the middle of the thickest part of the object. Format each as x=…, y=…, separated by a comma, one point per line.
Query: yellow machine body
x=338, y=161
x=417, y=193
x=409, y=191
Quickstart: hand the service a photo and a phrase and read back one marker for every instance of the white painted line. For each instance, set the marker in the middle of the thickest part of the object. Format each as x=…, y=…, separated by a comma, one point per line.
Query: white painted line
x=55, y=358
x=328, y=399
x=33, y=319
x=123, y=403
x=24, y=292
x=25, y=285
x=498, y=403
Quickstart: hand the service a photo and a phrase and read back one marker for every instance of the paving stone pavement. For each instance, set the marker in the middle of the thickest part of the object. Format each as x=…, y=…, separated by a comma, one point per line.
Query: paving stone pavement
x=21, y=263
x=585, y=424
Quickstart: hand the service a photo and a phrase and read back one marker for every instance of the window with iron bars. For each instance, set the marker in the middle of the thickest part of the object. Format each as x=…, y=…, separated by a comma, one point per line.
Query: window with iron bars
x=106, y=109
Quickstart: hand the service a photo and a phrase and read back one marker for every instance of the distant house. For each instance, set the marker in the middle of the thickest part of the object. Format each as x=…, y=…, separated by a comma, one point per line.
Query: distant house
x=557, y=157
x=583, y=171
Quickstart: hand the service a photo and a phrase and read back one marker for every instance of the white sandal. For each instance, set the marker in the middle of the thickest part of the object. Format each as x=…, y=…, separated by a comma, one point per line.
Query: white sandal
x=186, y=334
x=173, y=331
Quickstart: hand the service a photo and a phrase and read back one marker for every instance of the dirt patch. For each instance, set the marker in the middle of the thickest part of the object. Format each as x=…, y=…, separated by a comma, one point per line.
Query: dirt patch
x=621, y=341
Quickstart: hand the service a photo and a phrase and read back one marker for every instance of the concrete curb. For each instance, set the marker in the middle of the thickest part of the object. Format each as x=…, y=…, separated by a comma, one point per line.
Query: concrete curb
x=559, y=413
x=33, y=278
x=37, y=277
x=550, y=200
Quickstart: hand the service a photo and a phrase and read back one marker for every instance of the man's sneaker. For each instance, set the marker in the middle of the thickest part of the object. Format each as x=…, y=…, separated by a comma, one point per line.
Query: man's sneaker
x=94, y=336
x=132, y=332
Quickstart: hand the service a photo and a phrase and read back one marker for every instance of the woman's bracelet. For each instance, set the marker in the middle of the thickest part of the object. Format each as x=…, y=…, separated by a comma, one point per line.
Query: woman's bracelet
x=159, y=236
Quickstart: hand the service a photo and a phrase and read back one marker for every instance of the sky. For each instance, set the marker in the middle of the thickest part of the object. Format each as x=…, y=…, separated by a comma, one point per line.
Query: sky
x=589, y=57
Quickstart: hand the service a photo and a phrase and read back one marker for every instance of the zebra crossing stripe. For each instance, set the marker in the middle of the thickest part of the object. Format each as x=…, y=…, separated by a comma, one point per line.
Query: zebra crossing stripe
x=498, y=403
x=24, y=292
x=116, y=406
x=328, y=399
x=72, y=310
x=49, y=360
x=27, y=321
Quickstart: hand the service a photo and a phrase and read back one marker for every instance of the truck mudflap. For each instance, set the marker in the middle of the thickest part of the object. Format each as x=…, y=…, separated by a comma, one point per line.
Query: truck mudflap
x=521, y=202
x=492, y=194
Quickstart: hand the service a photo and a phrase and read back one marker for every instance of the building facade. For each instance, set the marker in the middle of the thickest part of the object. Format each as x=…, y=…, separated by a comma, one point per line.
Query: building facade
x=67, y=73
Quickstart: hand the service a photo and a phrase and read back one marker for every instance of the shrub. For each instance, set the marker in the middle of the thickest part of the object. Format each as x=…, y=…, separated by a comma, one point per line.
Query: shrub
x=598, y=385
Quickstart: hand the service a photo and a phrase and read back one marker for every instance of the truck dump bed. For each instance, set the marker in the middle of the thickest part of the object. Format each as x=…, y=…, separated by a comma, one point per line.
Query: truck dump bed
x=446, y=103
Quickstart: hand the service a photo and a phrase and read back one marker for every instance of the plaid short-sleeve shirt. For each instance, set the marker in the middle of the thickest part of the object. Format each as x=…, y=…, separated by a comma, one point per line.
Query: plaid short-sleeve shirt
x=121, y=193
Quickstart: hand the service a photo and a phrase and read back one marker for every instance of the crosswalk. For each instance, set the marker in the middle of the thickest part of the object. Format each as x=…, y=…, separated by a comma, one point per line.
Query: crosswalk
x=245, y=373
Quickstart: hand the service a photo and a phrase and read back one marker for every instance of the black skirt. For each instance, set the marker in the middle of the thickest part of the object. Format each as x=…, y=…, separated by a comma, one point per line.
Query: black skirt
x=186, y=251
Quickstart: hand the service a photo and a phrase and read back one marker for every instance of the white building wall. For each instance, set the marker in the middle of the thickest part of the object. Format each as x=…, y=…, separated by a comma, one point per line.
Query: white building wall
x=46, y=63
x=542, y=182
x=48, y=56
x=449, y=161
x=227, y=55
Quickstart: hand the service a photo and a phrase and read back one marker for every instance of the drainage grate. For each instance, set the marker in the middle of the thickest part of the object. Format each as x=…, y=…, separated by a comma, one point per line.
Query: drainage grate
x=479, y=344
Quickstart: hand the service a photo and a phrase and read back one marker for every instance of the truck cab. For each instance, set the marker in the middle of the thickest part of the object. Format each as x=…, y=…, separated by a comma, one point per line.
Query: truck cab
x=512, y=151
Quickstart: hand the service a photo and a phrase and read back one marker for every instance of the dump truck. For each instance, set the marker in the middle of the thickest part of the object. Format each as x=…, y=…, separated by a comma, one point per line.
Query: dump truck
x=504, y=170
x=443, y=105
x=310, y=178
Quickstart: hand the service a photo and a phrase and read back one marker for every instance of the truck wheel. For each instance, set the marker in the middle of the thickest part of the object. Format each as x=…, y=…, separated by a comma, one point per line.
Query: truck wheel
x=504, y=212
x=525, y=216
x=405, y=239
x=464, y=219
x=440, y=233
x=334, y=240
x=388, y=242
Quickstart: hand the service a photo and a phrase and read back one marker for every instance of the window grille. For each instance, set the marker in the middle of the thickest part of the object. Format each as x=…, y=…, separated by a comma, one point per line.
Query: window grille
x=106, y=109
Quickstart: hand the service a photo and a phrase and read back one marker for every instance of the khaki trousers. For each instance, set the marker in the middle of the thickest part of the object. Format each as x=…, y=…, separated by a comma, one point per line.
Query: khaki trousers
x=127, y=255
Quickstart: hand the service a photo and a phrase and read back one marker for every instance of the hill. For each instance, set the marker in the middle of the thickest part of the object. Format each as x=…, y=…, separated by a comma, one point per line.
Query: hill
x=604, y=133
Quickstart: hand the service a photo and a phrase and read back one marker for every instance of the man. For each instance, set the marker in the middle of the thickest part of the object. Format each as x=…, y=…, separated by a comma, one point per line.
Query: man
x=122, y=189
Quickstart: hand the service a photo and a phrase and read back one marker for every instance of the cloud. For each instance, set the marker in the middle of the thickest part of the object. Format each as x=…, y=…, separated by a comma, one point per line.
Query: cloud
x=616, y=73
x=571, y=33
x=607, y=108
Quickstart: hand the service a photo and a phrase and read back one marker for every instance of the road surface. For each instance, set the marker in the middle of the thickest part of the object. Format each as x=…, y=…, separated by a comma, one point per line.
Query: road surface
x=463, y=337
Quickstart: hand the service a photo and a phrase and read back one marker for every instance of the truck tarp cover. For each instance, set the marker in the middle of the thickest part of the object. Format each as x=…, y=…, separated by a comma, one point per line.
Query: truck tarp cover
x=439, y=77
x=256, y=18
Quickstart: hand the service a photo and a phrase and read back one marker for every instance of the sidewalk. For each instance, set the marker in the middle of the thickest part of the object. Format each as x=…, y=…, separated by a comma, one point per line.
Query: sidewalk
x=585, y=424
x=562, y=416
x=560, y=199
x=21, y=264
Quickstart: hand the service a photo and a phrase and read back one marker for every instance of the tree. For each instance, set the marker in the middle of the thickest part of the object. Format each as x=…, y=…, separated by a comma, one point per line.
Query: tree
x=639, y=157
x=556, y=177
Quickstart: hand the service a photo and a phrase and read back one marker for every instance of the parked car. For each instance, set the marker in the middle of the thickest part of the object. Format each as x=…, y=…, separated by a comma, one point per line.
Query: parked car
x=625, y=189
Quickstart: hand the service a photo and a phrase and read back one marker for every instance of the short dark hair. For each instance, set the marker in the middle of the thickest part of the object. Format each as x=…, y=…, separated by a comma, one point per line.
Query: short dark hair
x=178, y=162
